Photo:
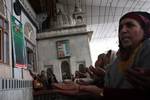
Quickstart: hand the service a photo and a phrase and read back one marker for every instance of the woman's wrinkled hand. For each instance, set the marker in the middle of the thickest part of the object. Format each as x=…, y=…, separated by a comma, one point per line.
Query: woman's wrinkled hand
x=92, y=89
x=67, y=89
x=138, y=77
x=97, y=71
x=63, y=86
x=76, y=89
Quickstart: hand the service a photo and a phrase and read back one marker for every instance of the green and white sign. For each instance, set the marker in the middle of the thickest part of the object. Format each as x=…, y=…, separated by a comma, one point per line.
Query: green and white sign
x=18, y=44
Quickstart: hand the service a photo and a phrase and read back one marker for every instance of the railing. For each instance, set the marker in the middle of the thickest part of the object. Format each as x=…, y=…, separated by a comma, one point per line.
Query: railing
x=44, y=95
x=13, y=89
x=51, y=95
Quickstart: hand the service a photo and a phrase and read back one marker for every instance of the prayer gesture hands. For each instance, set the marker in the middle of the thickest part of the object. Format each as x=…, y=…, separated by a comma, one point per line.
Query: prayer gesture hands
x=139, y=78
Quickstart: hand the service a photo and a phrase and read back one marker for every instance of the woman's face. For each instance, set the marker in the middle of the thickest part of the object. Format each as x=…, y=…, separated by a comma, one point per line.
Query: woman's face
x=130, y=33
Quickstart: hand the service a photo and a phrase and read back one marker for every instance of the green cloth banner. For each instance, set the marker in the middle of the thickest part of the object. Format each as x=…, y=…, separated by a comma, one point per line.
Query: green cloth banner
x=18, y=44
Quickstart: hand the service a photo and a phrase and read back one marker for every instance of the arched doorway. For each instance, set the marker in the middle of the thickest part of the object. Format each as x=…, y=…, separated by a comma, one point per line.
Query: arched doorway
x=65, y=70
x=82, y=68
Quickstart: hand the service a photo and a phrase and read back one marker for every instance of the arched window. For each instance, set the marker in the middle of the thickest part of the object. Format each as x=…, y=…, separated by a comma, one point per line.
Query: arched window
x=82, y=68
x=28, y=31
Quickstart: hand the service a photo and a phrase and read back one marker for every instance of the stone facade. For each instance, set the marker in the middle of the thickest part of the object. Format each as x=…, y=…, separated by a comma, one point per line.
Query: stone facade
x=78, y=39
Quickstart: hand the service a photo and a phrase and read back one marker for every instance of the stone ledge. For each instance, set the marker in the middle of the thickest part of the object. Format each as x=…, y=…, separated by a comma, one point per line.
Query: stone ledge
x=49, y=35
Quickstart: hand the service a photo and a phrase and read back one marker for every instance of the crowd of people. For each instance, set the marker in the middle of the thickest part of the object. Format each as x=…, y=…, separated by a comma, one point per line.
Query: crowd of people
x=43, y=80
x=125, y=72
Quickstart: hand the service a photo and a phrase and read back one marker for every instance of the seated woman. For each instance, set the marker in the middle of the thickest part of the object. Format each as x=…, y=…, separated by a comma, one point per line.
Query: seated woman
x=128, y=74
